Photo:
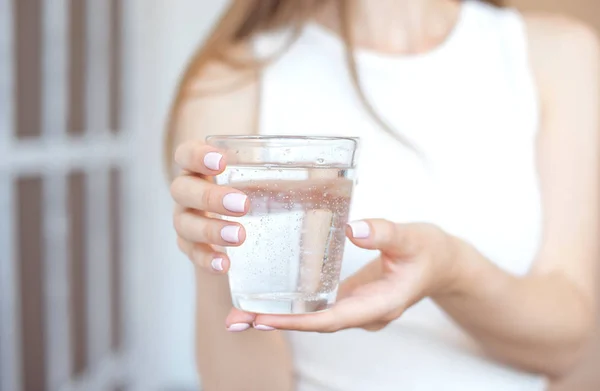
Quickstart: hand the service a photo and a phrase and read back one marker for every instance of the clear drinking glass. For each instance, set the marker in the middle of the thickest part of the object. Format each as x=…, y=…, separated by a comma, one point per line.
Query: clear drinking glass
x=299, y=190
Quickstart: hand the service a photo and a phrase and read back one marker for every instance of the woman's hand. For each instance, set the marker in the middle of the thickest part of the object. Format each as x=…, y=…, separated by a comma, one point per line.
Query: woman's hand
x=417, y=260
x=198, y=201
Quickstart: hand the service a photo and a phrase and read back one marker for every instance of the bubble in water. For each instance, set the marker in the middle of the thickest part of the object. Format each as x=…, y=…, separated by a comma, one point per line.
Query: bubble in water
x=284, y=233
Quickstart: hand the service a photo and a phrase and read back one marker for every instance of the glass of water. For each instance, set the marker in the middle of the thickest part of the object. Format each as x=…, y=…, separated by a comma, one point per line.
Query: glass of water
x=299, y=190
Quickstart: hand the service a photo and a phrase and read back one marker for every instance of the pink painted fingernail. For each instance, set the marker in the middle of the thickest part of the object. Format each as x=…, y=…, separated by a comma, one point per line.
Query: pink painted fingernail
x=217, y=264
x=263, y=327
x=360, y=229
x=235, y=202
x=212, y=160
x=231, y=233
x=237, y=327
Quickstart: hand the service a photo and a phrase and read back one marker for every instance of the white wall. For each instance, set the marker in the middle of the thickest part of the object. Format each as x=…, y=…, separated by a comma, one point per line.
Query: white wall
x=164, y=34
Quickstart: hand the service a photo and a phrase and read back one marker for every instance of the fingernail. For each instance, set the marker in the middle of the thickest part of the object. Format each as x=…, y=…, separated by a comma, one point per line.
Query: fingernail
x=231, y=233
x=360, y=229
x=235, y=202
x=217, y=264
x=212, y=160
x=237, y=327
x=263, y=327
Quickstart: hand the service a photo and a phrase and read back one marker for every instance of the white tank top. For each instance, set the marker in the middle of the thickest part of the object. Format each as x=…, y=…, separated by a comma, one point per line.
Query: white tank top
x=470, y=106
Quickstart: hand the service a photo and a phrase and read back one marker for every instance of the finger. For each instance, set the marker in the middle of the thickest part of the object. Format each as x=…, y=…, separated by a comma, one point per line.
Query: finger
x=194, y=192
x=352, y=312
x=197, y=157
x=369, y=273
x=214, y=261
x=204, y=256
x=184, y=246
x=196, y=228
x=239, y=320
x=379, y=234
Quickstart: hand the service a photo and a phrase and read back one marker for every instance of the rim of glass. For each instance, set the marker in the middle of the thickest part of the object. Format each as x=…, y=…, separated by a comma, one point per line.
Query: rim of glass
x=290, y=138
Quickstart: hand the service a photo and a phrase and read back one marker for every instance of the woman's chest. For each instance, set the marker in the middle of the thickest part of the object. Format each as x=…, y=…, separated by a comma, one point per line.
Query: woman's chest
x=474, y=174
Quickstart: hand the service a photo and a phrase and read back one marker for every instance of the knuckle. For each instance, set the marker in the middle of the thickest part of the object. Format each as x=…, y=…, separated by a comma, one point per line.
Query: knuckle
x=426, y=229
x=177, y=188
x=181, y=244
x=200, y=257
x=177, y=223
x=327, y=330
x=424, y=235
x=369, y=327
x=332, y=327
x=389, y=318
x=211, y=233
x=437, y=232
x=389, y=232
x=395, y=229
x=178, y=153
x=181, y=223
x=206, y=197
x=373, y=327
x=411, y=238
x=197, y=155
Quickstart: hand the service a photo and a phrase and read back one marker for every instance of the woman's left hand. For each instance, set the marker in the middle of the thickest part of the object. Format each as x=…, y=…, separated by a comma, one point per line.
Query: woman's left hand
x=417, y=260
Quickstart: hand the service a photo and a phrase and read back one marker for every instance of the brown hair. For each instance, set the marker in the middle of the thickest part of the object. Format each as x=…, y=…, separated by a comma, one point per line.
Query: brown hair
x=246, y=18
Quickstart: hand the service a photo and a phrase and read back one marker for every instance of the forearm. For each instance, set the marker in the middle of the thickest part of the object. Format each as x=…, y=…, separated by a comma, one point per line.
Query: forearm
x=252, y=360
x=537, y=322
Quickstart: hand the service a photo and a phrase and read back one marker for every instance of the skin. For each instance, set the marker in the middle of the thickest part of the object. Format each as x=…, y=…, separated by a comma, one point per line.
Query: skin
x=539, y=322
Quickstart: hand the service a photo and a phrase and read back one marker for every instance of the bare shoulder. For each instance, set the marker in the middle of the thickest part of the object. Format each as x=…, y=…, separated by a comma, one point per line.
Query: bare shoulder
x=232, y=64
x=557, y=26
x=222, y=96
x=560, y=44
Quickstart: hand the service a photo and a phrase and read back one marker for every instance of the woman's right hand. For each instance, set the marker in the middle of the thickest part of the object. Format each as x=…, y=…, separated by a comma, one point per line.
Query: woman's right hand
x=202, y=235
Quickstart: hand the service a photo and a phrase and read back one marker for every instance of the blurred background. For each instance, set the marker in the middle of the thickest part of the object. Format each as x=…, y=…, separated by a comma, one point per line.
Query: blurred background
x=93, y=292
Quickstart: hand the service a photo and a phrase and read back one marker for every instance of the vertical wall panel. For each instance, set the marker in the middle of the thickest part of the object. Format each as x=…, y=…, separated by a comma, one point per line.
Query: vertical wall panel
x=28, y=67
x=60, y=226
x=115, y=259
x=60, y=249
x=10, y=355
x=57, y=302
x=77, y=66
x=98, y=69
x=56, y=62
x=10, y=300
x=55, y=68
x=116, y=39
x=77, y=257
x=7, y=66
x=30, y=253
x=98, y=265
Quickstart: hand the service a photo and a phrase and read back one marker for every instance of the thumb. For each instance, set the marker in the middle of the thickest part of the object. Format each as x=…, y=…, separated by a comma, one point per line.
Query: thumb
x=379, y=234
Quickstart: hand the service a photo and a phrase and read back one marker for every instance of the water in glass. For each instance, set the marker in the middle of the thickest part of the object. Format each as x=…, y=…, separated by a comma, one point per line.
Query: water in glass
x=295, y=236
